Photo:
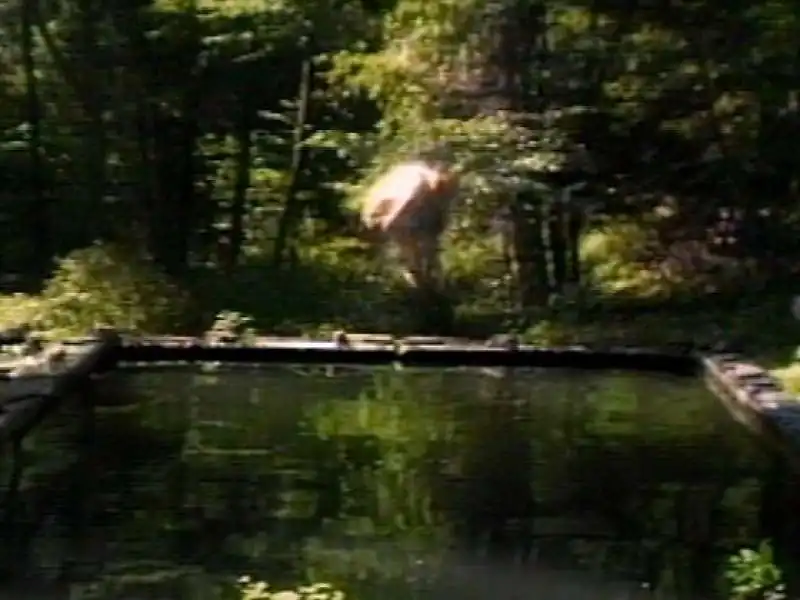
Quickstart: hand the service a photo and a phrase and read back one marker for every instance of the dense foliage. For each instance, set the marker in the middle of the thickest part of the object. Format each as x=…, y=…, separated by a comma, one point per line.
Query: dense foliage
x=644, y=150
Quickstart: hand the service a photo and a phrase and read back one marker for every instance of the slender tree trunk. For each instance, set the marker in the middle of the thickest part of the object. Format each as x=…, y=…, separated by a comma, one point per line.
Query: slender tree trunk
x=574, y=232
x=293, y=209
x=85, y=81
x=242, y=184
x=96, y=140
x=39, y=216
x=187, y=197
x=146, y=170
x=529, y=250
x=176, y=198
x=522, y=34
x=556, y=226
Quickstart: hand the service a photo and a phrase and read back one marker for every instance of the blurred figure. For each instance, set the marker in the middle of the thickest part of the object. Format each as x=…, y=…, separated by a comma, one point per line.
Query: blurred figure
x=407, y=209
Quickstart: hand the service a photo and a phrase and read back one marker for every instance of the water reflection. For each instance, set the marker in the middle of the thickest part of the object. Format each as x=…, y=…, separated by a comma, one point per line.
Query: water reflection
x=418, y=484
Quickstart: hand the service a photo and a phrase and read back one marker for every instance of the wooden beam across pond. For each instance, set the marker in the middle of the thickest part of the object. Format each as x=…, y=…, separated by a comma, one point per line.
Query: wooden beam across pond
x=375, y=349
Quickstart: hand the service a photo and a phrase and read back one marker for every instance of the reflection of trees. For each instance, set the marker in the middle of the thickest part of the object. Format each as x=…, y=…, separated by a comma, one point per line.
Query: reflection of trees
x=660, y=474
x=388, y=437
x=643, y=490
x=491, y=494
x=46, y=533
x=251, y=478
x=371, y=480
x=38, y=470
x=245, y=485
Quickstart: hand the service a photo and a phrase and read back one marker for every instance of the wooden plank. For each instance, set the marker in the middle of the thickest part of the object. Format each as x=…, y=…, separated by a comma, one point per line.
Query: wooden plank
x=758, y=400
x=37, y=383
x=372, y=349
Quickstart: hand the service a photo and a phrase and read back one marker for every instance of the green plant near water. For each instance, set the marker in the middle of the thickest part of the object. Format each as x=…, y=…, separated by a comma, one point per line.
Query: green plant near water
x=752, y=574
x=258, y=590
x=232, y=324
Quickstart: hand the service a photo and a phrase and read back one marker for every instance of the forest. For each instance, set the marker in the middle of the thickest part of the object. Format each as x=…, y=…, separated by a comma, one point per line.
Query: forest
x=631, y=171
x=166, y=163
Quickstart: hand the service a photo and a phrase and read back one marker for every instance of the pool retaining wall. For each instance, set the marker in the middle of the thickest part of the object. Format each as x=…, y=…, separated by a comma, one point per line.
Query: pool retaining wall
x=753, y=395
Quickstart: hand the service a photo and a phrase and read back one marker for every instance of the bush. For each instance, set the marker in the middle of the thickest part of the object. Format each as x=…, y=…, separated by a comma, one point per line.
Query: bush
x=629, y=258
x=753, y=575
x=258, y=590
x=477, y=272
x=105, y=285
x=615, y=257
x=18, y=309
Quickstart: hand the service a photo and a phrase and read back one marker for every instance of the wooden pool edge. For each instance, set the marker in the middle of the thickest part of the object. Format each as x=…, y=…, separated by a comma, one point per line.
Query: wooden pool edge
x=34, y=383
x=373, y=349
x=751, y=393
x=755, y=397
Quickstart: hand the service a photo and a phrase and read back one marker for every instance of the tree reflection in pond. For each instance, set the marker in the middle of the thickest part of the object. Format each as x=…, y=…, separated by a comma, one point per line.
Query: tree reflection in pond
x=402, y=484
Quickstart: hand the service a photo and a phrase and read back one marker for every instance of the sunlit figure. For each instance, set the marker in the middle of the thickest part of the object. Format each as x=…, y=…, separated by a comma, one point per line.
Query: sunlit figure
x=407, y=209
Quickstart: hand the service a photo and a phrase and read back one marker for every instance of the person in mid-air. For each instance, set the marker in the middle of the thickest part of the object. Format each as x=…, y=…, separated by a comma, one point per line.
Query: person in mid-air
x=408, y=208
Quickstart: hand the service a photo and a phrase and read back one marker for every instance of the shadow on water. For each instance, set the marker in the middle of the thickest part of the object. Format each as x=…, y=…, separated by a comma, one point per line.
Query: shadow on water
x=415, y=484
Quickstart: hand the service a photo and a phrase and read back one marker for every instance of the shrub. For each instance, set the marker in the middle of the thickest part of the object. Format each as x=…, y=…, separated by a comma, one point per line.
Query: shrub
x=18, y=309
x=753, y=575
x=477, y=270
x=105, y=285
x=630, y=258
x=616, y=259
x=258, y=590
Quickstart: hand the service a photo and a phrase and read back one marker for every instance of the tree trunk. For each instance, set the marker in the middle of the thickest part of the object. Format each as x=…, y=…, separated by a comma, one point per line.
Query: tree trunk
x=529, y=250
x=39, y=204
x=574, y=232
x=242, y=184
x=556, y=237
x=293, y=209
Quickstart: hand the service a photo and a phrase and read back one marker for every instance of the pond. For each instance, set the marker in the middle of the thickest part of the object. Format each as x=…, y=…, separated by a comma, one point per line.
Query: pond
x=393, y=484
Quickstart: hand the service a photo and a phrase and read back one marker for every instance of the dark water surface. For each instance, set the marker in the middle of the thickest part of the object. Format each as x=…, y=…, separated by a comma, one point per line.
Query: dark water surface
x=423, y=484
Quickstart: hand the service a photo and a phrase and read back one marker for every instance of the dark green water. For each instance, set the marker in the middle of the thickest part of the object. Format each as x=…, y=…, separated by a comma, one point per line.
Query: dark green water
x=390, y=484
